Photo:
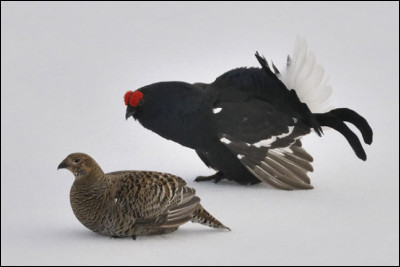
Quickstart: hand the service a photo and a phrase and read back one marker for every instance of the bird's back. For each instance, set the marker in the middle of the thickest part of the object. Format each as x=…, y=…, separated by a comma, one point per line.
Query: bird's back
x=245, y=85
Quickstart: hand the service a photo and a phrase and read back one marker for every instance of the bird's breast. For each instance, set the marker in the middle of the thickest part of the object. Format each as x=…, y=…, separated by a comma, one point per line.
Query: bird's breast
x=93, y=210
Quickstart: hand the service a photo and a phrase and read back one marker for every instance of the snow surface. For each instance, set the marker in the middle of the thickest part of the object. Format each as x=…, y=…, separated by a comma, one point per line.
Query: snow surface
x=66, y=67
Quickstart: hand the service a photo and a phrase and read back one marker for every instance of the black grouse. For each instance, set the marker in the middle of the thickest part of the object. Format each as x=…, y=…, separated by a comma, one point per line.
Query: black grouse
x=248, y=123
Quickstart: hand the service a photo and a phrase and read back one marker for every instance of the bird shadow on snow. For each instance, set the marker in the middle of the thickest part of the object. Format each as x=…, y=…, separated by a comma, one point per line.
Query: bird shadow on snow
x=77, y=234
x=223, y=184
x=182, y=233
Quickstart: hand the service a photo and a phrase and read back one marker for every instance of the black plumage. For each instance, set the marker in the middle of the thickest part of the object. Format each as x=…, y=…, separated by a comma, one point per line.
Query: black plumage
x=246, y=125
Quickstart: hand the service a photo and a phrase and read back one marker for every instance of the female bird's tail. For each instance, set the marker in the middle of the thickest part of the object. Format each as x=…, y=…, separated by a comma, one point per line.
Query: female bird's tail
x=336, y=118
x=203, y=217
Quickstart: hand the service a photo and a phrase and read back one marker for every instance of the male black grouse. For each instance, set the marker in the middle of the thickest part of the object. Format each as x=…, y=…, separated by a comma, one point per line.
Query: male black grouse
x=248, y=123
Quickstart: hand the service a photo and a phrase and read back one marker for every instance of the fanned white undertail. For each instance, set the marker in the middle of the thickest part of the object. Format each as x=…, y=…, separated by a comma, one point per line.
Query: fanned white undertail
x=306, y=77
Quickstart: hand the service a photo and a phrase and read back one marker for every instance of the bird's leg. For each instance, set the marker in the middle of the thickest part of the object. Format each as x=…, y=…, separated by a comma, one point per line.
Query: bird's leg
x=217, y=177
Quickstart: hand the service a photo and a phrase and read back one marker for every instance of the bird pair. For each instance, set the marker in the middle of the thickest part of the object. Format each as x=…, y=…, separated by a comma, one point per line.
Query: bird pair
x=247, y=125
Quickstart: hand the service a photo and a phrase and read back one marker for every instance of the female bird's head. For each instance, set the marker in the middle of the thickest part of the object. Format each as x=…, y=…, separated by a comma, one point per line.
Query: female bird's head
x=79, y=164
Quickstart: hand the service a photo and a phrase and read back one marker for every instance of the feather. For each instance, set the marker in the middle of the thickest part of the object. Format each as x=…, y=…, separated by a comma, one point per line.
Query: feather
x=283, y=167
x=306, y=77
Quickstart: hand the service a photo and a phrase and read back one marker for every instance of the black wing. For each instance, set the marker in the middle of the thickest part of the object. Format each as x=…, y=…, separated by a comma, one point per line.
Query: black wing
x=260, y=121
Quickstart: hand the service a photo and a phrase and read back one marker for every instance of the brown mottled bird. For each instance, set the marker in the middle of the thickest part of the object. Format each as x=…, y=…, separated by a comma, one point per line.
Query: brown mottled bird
x=132, y=203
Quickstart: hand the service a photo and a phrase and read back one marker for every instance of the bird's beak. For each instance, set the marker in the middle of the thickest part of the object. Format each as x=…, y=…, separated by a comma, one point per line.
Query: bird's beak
x=130, y=112
x=62, y=165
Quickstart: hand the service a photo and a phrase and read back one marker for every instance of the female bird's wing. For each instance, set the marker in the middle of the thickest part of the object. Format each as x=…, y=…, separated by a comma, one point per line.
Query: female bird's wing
x=159, y=199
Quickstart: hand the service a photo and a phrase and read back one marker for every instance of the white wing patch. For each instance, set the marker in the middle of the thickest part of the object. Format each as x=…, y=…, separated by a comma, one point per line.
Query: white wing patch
x=217, y=110
x=306, y=77
x=225, y=140
x=265, y=143
x=268, y=142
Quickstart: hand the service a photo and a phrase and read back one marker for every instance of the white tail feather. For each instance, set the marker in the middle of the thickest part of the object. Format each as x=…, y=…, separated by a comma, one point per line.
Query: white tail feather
x=306, y=77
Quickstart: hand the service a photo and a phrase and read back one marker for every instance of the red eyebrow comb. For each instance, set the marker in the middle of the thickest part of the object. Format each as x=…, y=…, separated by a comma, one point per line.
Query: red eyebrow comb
x=133, y=98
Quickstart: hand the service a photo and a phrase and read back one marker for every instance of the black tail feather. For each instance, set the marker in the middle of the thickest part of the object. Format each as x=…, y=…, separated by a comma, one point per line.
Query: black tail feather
x=353, y=117
x=329, y=119
x=264, y=64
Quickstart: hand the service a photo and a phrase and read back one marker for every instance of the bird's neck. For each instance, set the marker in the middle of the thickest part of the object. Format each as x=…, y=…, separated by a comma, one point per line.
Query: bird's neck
x=89, y=197
x=179, y=115
x=91, y=185
x=94, y=180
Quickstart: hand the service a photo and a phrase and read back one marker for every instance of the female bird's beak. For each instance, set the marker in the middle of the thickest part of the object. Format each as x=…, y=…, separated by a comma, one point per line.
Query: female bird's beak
x=62, y=165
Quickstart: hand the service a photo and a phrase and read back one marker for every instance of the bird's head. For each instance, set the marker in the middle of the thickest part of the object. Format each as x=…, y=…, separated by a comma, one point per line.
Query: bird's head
x=133, y=101
x=79, y=164
x=162, y=99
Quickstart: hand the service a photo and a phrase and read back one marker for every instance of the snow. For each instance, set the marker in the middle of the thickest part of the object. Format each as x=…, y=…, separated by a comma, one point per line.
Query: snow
x=66, y=67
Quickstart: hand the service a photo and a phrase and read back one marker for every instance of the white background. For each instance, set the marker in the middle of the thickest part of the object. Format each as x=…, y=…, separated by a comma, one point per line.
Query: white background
x=66, y=66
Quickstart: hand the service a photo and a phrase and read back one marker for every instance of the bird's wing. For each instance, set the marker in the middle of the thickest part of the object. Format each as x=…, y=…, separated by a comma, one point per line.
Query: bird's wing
x=282, y=167
x=266, y=141
x=183, y=210
x=158, y=198
x=306, y=77
x=261, y=121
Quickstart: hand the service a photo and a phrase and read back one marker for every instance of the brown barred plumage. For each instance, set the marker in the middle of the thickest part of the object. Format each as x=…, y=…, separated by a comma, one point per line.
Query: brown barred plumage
x=132, y=203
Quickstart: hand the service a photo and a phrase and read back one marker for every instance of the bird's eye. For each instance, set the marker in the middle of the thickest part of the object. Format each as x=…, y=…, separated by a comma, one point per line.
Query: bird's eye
x=77, y=160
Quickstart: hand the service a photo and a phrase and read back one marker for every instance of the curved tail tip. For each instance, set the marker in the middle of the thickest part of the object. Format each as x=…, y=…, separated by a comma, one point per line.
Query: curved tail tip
x=362, y=155
x=368, y=140
x=367, y=134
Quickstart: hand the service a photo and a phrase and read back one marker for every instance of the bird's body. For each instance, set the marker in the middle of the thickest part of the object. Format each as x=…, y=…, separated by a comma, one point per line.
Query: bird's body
x=132, y=203
x=247, y=124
